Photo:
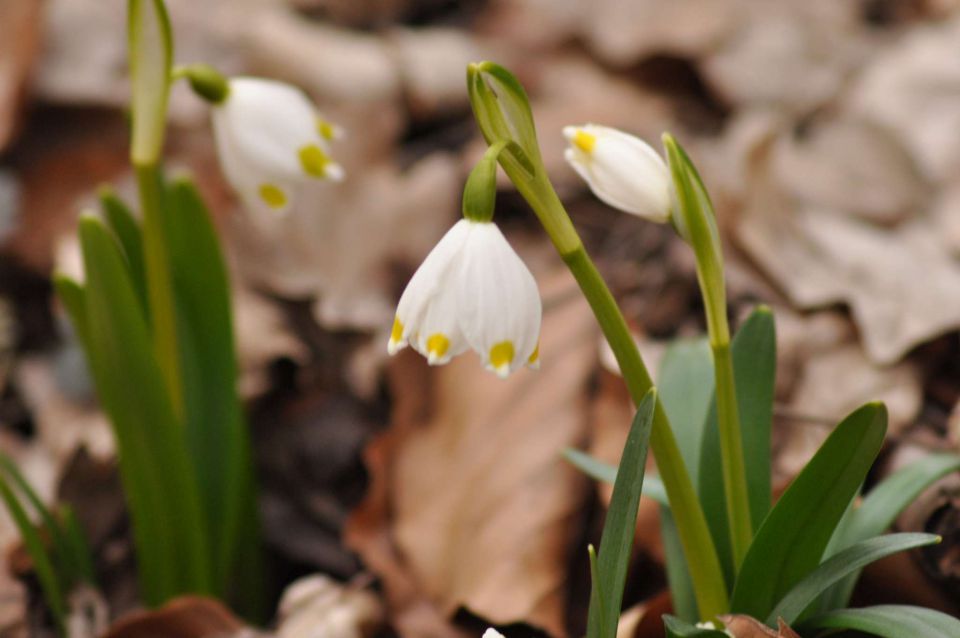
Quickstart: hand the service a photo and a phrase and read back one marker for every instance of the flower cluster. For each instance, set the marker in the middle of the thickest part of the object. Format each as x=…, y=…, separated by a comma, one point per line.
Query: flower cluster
x=472, y=291
x=270, y=139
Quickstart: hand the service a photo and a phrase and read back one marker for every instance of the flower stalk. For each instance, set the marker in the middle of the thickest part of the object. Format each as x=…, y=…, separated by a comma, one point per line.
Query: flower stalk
x=695, y=221
x=151, y=59
x=503, y=112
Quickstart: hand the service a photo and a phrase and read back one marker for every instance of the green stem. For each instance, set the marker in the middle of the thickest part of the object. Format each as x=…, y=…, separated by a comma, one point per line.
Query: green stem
x=705, y=571
x=731, y=451
x=159, y=285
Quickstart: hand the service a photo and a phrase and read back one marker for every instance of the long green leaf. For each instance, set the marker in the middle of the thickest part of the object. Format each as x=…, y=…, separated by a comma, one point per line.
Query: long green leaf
x=49, y=582
x=159, y=479
x=686, y=384
x=754, y=363
x=891, y=621
x=792, y=539
x=879, y=509
x=852, y=559
x=127, y=230
x=216, y=429
x=58, y=538
x=620, y=526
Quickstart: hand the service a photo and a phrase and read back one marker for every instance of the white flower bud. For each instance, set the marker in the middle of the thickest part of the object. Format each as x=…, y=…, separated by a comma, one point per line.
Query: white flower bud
x=471, y=292
x=621, y=170
x=270, y=139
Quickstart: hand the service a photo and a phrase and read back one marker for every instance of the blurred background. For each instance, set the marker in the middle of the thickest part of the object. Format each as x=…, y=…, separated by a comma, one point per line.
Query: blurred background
x=434, y=499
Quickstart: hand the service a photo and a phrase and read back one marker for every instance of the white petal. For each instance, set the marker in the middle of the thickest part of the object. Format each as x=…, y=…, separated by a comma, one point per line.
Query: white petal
x=439, y=337
x=432, y=275
x=247, y=179
x=498, y=301
x=269, y=123
x=622, y=170
x=492, y=633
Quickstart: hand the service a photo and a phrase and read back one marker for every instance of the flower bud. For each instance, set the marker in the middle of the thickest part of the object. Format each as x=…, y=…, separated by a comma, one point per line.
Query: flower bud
x=621, y=170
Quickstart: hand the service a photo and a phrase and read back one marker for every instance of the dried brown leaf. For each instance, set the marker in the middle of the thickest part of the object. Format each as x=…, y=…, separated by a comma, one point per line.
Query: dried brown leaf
x=481, y=504
x=746, y=627
x=184, y=617
x=20, y=22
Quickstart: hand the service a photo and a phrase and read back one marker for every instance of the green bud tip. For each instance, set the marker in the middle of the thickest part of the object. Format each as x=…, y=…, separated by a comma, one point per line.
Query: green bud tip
x=206, y=82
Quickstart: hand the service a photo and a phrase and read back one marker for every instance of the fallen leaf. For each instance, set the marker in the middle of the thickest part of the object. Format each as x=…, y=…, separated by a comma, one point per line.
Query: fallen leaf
x=792, y=56
x=480, y=502
x=821, y=256
x=184, y=617
x=911, y=88
x=746, y=627
x=20, y=22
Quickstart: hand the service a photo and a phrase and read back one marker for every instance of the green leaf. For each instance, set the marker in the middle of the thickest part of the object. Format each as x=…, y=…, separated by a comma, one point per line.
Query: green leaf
x=49, y=582
x=620, y=526
x=216, y=428
x=127, y=230
x=159, y=479
x=792, y=539
x=754, y=365
x=597, y=597
x=879, y=509
x=891, y=621
x=77, y=546
x=846, y=562
x=677, y=628
x=686, y=386
x=72, y=561
x=682, y=596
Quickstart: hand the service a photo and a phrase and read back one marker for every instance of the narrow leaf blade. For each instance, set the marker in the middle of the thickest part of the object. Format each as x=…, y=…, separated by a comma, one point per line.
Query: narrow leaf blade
x=792, y=539
x=850, y=560
x=620, y=526
x=891, y=621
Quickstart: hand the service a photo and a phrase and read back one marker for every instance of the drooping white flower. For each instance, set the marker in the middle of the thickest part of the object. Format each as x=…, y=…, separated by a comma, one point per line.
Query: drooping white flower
x=622, y=170
x=270, y=139
x=471, y=292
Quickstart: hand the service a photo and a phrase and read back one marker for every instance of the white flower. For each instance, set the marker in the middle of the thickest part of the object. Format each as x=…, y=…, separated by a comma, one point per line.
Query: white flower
x=492, y=633
x=270, y=138
x=622, y=170
x=472, y=291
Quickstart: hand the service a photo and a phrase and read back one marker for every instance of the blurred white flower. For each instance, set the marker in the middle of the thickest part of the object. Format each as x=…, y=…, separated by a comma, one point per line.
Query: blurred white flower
x=270, y=139
x=622, y=170
x=492, y=633
x=472, y=291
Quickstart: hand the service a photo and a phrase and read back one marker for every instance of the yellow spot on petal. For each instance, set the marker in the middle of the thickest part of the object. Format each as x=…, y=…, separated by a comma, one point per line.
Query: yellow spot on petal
x=584, y=141
x=534, y=356
x=396, y=333
x=326, y=129
x=314, y=161
x=501, y=355
x=273, y=195
x=437, y=346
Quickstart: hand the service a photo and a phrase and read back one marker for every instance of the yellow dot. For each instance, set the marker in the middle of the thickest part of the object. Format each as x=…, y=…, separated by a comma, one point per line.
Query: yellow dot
x=534, y=355
x=437, y=345
x=584, y=141
x=273, y=196
x=501, y=354
x=396, y=333
x=314, y=161
x=325, y=129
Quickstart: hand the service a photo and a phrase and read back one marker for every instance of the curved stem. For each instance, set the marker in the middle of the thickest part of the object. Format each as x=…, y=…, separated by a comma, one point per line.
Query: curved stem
x=705, y=571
